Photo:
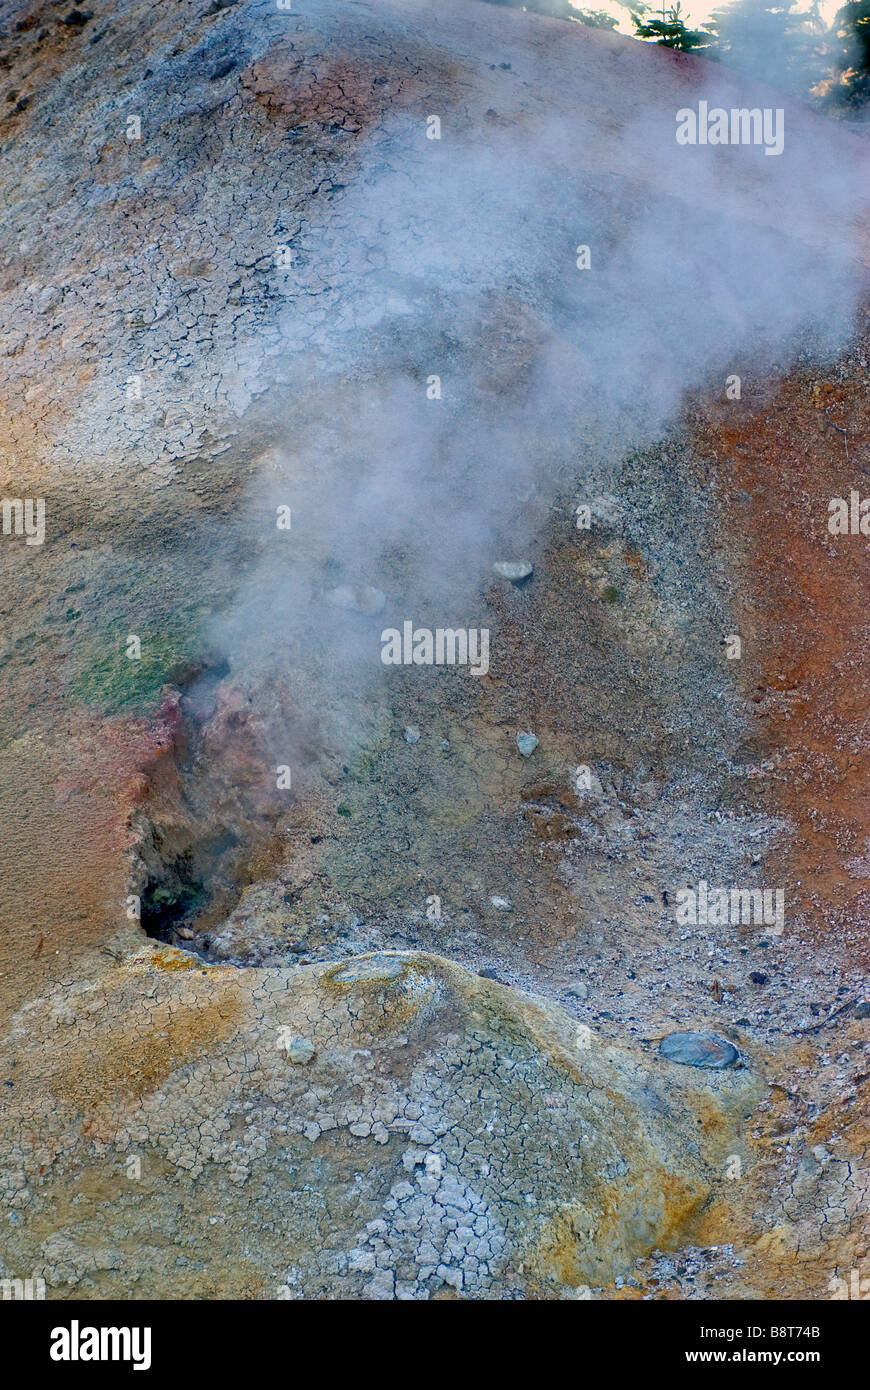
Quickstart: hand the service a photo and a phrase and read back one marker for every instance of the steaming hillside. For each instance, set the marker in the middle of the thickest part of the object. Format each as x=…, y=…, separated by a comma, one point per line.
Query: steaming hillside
x=317, y=320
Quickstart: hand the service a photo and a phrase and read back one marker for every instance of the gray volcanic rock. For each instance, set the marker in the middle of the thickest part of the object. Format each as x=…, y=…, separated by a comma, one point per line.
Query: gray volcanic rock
x=699, y=1050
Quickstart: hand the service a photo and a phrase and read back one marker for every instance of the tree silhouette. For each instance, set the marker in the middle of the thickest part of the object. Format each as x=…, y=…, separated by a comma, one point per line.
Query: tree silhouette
x=770, y=41
x=670, y=31
x=847, y=86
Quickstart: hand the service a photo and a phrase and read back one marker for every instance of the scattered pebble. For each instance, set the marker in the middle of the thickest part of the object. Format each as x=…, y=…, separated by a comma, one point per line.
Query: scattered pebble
x=358, y=598
x=527, y=743
x=698, y=1050
x=758, y=977
x=514, y=570
x=503, y=904
x=412, y=734
x=606, y=510
x=48, y=298
x=862, y=1010
x=299, y=1050
x=579, y=990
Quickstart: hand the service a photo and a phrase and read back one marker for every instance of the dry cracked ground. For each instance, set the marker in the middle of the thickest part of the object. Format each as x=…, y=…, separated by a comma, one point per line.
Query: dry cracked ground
x=315, y=984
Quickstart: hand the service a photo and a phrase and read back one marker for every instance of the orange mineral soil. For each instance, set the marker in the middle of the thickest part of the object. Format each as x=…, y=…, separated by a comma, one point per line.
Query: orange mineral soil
x=803, y=599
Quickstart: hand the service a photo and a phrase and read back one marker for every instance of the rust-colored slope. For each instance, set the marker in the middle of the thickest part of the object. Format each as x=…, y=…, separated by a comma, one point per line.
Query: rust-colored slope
x=804, y=595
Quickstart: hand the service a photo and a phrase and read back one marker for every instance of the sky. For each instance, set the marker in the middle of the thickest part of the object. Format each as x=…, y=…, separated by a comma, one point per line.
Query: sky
x=695, y=13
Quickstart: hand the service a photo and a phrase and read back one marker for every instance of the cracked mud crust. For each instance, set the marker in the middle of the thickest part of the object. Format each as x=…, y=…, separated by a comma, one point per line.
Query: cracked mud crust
x=423, y=1145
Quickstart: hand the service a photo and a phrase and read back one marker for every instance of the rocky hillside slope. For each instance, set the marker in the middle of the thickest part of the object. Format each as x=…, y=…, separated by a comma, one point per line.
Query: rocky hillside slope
x=393, y=1030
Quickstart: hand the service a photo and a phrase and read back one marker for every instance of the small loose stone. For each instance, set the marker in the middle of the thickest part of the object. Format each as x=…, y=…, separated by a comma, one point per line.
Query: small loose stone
x=514, y=570
x=698, y=1050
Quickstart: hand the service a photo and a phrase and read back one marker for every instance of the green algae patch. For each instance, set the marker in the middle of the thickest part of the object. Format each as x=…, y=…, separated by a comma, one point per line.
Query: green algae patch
x=114, y=681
